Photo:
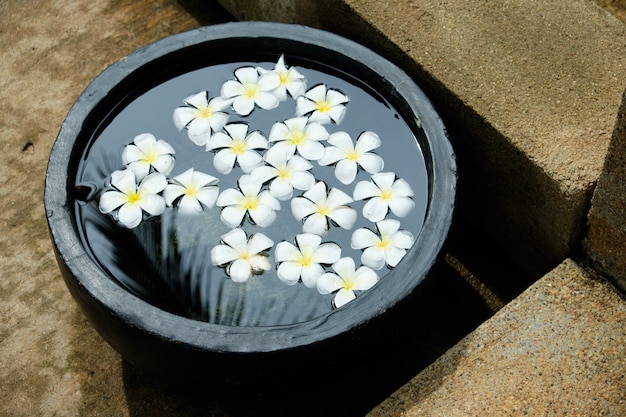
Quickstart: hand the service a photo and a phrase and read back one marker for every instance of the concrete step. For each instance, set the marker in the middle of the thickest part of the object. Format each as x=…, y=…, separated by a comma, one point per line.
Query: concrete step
x=558, y=349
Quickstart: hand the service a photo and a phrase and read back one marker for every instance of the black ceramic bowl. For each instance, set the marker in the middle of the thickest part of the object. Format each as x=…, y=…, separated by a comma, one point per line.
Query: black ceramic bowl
x=164, y=342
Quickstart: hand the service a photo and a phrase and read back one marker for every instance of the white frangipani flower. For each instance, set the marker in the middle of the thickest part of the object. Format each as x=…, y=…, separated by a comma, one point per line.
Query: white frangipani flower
x=191, y=190
x=286, y=174
x=346, y=280
x=384, y=192
x=349, y=157
x=242, y=257
x=236, y=145
x=298, y=134
x=201, y=116
x=146, y=153
x=388, y=246
x=260, y=205
x=249, y=89
x=132, y=199
x=305, y=259
x=291, y=80
x=322, y=105
x=317, y=208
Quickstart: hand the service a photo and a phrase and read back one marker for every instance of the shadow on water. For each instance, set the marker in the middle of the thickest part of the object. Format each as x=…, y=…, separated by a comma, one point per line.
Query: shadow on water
x=444, y=309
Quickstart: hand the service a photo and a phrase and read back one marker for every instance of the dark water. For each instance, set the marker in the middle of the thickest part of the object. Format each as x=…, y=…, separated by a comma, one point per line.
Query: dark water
x=166, y=259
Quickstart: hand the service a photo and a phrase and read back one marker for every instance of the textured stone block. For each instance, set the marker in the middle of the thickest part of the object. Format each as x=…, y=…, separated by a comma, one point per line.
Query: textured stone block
x=606, y=240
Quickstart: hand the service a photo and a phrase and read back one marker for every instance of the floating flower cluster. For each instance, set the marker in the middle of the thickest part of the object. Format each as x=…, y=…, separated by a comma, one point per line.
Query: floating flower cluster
x=274, y=168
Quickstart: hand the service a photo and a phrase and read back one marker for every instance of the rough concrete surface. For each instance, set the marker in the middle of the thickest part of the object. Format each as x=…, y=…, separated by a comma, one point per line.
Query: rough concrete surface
x=559, y=349
x=606, y=238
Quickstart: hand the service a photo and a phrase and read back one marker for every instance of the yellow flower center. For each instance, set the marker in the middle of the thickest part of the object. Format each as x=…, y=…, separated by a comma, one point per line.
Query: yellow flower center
x=296, y=136
x=305, y=259
x=133, y=198
x=191, y=190
x=244, y=255
x=250, y=90
x=205, y=112
x=323, y=106
x=386, y=195
x=384, y=242
x=348, y=283
x=284, y=172
x=323, y=209
x=352, y=155
x=250, y=202
x=283, y=77
x=151, y=156
x=238, y=147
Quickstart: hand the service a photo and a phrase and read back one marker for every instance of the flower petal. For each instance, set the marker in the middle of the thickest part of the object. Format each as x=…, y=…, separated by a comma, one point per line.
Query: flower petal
x=342, y=140
x=328, y=253
x=311, y=274
x=311, y=150
x=364, y=190
x=246, y=75
x=232, y=216
x=315, y=223
x=280, y=189
x=363, y=238
x=365, y=278
x=393, y=256
x=240, y=271
x=263, y=215
x=328, y=283
x=224, y=161
x=367, y=141
x=345, y=171
x=182, y=116
x=243, y=105
x=289, y=272
x=235, y=238
x=223, y=254
x=302, y=180
x=285, y=251
x=302, y=207
x=256, y=140
x=401, y=206
x=153, y=204
x=266, y=101
x=249, y=160
x=230, y=88
x=344, y=216
x=373, y=257
x=371, y=163
x=131, y=153
x=375, y=209
x=258, y=243
x=189, y=205
x=124, y=181
x=111, y=200
x=130, y=215
x=403, y=239
x=164, y=164
x=343, y=297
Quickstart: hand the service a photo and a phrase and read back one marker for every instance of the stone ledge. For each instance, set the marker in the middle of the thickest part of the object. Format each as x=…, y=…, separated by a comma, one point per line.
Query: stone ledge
x=529, y=92
x=557, y=349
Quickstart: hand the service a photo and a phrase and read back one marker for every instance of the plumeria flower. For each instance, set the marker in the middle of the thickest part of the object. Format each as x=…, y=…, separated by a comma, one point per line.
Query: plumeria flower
x=201, y=116
x=132, y=199
x=349, y=156
x=286, y=174
x=298, y=134
x=191, y=190
x=388, y=246
x=146, y=153
x=317, y=208
x=236, y=145
x=305, y=260
x=385, y=192
x=260, y=205
x=242, y=257
x=291, y=80
x=322, y=105
x=250, y=89
x=346, y=280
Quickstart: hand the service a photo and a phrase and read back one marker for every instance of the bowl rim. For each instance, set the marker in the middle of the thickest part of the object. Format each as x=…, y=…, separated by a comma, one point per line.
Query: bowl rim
x=141, y=315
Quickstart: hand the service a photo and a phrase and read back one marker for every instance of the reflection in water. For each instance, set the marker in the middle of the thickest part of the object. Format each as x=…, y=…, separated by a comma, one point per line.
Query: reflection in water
x=166, y=259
